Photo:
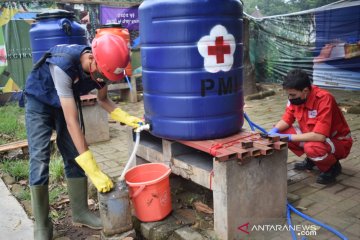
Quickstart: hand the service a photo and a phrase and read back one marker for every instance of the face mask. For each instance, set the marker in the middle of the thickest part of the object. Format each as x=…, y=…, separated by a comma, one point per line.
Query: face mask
x=97, y=75
x=297, y=101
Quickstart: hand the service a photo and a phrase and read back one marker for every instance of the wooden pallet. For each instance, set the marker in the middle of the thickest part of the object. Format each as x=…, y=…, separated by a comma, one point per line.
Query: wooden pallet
x=22, y=144
x=240, y=146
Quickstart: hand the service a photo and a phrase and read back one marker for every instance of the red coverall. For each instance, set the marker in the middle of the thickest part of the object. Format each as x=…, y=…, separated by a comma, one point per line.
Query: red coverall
x=320, y=114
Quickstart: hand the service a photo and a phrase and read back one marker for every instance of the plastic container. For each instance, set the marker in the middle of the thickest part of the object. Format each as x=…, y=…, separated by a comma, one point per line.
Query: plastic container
x=52, y=28
x=149, y=189
x=115, y=210
x=192, y=70
x=116, y=29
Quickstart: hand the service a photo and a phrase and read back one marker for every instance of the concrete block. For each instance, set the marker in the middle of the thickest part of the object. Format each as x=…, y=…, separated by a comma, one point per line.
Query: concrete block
x=164, y=231
x=209, y=234
x=186, y=233
x=129, y=235
x=145, y=228
x=96, y=123
x=195, y=166
x=126, y=93
x=254, y=193
x=159, y=230
x=185, y=216
x=292, y=197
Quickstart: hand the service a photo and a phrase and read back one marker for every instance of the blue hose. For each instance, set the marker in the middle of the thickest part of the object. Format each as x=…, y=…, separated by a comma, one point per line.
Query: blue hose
x=128, y=82
x=253, y=125
x=249, y=122
x=258, y=127
x=288, y=214
x=292, y=208
x=306, y=217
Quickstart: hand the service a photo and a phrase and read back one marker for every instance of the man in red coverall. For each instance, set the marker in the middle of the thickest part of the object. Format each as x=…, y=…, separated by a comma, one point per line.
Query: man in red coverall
x=322, y=132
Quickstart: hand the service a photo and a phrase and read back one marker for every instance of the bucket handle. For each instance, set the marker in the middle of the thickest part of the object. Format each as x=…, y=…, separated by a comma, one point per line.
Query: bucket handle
x=138, y=191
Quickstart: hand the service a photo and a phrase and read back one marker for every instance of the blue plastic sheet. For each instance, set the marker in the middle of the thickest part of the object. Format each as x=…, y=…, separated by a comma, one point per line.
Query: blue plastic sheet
x=324, y=41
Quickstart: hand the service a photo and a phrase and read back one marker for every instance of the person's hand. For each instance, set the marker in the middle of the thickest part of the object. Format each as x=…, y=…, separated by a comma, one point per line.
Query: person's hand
x=123, y=117
x=273, y=131
x=87, y=162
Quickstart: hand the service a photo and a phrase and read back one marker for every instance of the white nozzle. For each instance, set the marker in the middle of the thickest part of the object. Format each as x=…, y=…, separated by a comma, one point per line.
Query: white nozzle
x=143, y=127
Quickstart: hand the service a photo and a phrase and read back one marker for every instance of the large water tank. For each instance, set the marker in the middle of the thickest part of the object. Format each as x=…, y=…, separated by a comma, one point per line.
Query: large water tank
x=52, y=28
x=191, y=53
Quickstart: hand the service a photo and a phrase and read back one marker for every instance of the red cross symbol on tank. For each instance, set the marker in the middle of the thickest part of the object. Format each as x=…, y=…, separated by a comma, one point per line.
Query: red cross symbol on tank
x=217, y=49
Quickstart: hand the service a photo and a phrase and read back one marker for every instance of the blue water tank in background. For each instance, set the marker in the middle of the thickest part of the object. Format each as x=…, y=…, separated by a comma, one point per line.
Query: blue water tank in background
x=192, y=69
x=52, y=28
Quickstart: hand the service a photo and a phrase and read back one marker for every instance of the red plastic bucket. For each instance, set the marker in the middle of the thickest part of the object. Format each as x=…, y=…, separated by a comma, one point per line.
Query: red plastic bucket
x=149, y=189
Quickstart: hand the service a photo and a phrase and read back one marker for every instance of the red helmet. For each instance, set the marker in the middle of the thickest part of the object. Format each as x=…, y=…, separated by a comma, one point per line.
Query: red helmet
x=111, y=55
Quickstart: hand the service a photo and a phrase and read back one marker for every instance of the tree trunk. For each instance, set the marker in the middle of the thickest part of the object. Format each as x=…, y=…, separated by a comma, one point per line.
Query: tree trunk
x=249, y=71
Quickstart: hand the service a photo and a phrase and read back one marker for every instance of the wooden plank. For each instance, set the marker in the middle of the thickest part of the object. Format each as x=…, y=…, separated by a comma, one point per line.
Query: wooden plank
x=19, y=144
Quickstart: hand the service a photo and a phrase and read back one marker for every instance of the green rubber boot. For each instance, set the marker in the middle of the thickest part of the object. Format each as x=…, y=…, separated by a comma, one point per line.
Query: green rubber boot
x=43, y=228
x=81, y=215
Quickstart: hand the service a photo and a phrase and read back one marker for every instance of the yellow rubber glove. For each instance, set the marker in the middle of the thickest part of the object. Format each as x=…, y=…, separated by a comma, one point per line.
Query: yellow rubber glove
x=99, y=179
x=123, y=117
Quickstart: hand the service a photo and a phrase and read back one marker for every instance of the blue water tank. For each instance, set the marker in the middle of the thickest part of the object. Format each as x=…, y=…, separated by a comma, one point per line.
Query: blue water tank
x=52, y=28
x=192, y=68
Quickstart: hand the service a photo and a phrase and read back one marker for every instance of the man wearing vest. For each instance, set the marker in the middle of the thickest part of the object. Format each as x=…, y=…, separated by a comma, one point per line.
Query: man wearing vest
x=322, y=132
x=53, y=90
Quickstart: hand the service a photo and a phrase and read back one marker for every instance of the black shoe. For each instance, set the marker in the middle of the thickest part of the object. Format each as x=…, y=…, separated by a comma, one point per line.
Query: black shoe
x=330, y=175
x=307, y=164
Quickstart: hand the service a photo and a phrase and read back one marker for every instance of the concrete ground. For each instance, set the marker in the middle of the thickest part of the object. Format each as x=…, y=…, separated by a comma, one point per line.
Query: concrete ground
x=14, y=223
x=337, y=205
